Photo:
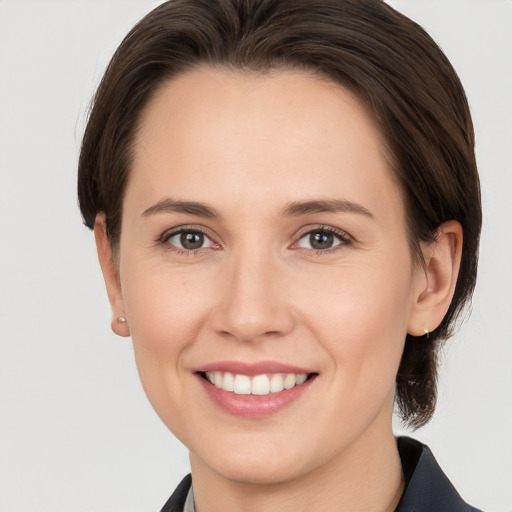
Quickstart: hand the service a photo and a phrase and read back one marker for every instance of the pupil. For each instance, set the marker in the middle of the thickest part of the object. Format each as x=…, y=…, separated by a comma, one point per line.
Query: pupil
x=321, y=240
x=192, y=240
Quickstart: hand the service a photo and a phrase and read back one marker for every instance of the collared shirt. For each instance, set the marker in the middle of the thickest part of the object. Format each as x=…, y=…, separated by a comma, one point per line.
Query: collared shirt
x=427, y=489
x=189, y=502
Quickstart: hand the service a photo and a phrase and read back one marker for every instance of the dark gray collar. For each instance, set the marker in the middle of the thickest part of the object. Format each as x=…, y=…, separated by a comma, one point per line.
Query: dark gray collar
x=427, y=487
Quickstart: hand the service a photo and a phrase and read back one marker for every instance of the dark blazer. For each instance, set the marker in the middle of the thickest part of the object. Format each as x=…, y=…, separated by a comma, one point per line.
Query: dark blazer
x=427, y=487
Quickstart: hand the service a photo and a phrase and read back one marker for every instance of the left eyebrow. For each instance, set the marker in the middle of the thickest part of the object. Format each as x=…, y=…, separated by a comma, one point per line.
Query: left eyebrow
x=298, y=208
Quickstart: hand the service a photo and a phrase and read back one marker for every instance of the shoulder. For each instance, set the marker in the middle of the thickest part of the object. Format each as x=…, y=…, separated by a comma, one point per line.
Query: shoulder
x=428, y=489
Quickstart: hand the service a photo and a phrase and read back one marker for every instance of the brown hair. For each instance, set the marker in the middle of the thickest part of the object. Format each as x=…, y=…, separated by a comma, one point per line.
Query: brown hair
x=389, y=61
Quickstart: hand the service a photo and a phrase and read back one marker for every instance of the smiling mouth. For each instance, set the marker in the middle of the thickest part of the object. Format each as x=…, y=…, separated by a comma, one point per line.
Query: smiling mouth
x=259, y=385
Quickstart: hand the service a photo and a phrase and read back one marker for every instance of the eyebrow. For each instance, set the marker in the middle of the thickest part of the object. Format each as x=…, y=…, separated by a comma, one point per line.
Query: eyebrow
x=298, y=208
x=176, y=206
x=294, y=209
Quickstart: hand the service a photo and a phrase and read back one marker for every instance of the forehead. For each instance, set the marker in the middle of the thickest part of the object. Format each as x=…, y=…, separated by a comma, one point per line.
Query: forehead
x=287, y=100
x=265, y=132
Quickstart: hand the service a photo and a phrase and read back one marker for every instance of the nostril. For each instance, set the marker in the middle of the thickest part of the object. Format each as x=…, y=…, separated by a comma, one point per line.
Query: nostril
x=250, y=333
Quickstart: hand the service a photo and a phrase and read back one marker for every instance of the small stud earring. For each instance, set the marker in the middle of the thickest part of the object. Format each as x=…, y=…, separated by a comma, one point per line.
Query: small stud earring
x=121, y=319
x=427, y=334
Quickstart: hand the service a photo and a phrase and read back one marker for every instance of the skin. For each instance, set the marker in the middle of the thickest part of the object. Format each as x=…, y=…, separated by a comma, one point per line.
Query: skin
x=248, y=146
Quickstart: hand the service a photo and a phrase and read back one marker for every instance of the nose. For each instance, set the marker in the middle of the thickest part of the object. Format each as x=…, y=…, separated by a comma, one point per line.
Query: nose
x=252, y=302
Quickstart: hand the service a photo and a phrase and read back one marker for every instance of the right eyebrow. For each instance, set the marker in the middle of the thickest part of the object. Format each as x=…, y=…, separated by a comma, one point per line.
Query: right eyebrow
x=176, y=206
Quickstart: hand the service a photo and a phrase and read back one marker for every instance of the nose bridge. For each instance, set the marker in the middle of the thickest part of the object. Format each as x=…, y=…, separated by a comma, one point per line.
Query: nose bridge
x=253, y=302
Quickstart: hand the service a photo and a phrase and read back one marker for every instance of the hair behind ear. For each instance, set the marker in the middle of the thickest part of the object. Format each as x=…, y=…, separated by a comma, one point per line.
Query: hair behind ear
x=416, y=381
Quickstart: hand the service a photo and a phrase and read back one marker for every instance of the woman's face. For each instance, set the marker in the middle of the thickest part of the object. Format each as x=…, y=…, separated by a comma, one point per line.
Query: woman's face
x=264, y=236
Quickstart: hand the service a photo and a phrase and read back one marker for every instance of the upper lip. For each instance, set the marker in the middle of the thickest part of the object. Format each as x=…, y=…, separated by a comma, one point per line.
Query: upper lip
x=252, y=369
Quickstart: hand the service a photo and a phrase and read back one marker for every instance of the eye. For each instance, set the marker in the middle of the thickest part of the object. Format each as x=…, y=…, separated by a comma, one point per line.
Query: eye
x=322, y=239
x=188, y=240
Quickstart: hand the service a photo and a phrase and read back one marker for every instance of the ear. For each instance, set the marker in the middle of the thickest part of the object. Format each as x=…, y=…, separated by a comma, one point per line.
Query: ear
x=435, y=282
x=111, y=277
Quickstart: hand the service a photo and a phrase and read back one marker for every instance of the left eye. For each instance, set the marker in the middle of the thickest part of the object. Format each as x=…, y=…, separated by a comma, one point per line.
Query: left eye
x=190, y=240
x=320, y=240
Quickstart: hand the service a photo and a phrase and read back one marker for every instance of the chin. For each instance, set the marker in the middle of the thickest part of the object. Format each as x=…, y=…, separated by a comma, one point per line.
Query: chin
x=262, y=471
x=257, y=460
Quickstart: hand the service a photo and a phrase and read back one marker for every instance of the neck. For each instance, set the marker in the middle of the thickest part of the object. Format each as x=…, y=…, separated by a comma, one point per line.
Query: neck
x=365, y=477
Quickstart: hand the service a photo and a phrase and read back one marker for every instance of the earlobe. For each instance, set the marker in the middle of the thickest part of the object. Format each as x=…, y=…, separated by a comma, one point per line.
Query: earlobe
x=111, y=277
x=437, y=279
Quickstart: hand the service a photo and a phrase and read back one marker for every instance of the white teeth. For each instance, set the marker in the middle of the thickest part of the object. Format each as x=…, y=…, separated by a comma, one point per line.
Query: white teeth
x=258, y=385
x=276, y=383
x=242, y=385
x=300, y=379
x=289, y=381
x=228, y=383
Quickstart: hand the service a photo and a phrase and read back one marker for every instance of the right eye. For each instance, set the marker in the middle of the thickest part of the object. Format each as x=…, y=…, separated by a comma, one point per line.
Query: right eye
x=188, y=240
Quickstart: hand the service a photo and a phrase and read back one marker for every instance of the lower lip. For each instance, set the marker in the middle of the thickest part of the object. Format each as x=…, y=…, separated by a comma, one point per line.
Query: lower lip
x=254, y=406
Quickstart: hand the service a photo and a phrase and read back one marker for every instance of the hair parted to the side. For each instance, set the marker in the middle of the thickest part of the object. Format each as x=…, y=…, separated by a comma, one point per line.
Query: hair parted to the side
x=386, y=59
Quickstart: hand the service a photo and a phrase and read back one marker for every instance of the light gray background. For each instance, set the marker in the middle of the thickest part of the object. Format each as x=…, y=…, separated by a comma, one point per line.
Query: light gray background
x=76, y=432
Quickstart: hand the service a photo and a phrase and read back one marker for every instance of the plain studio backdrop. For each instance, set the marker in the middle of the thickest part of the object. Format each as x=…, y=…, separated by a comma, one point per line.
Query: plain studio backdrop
x=76, y=431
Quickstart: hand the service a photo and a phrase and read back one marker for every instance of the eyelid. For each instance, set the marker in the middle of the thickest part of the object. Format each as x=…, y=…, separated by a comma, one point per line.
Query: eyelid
x=344, y=237
x=187, y=228
x=323, y=227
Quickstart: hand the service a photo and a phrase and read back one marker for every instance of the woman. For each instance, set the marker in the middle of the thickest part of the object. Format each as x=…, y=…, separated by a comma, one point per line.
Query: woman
x=286, y=207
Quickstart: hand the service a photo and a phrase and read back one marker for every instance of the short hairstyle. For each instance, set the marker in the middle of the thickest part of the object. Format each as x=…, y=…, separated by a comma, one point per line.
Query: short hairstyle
x=387, y=60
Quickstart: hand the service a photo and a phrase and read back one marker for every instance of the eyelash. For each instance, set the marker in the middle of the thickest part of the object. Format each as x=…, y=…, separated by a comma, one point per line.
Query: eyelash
x=343, y=237
x=165, y=237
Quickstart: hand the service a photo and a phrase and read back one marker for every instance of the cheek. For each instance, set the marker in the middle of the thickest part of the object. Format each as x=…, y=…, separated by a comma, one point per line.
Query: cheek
x=165, y=310
x=359, y=314
x=161, y=299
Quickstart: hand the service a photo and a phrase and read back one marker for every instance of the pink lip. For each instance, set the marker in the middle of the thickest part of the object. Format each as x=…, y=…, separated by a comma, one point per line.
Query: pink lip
x=252, y=369
x=253, y=406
